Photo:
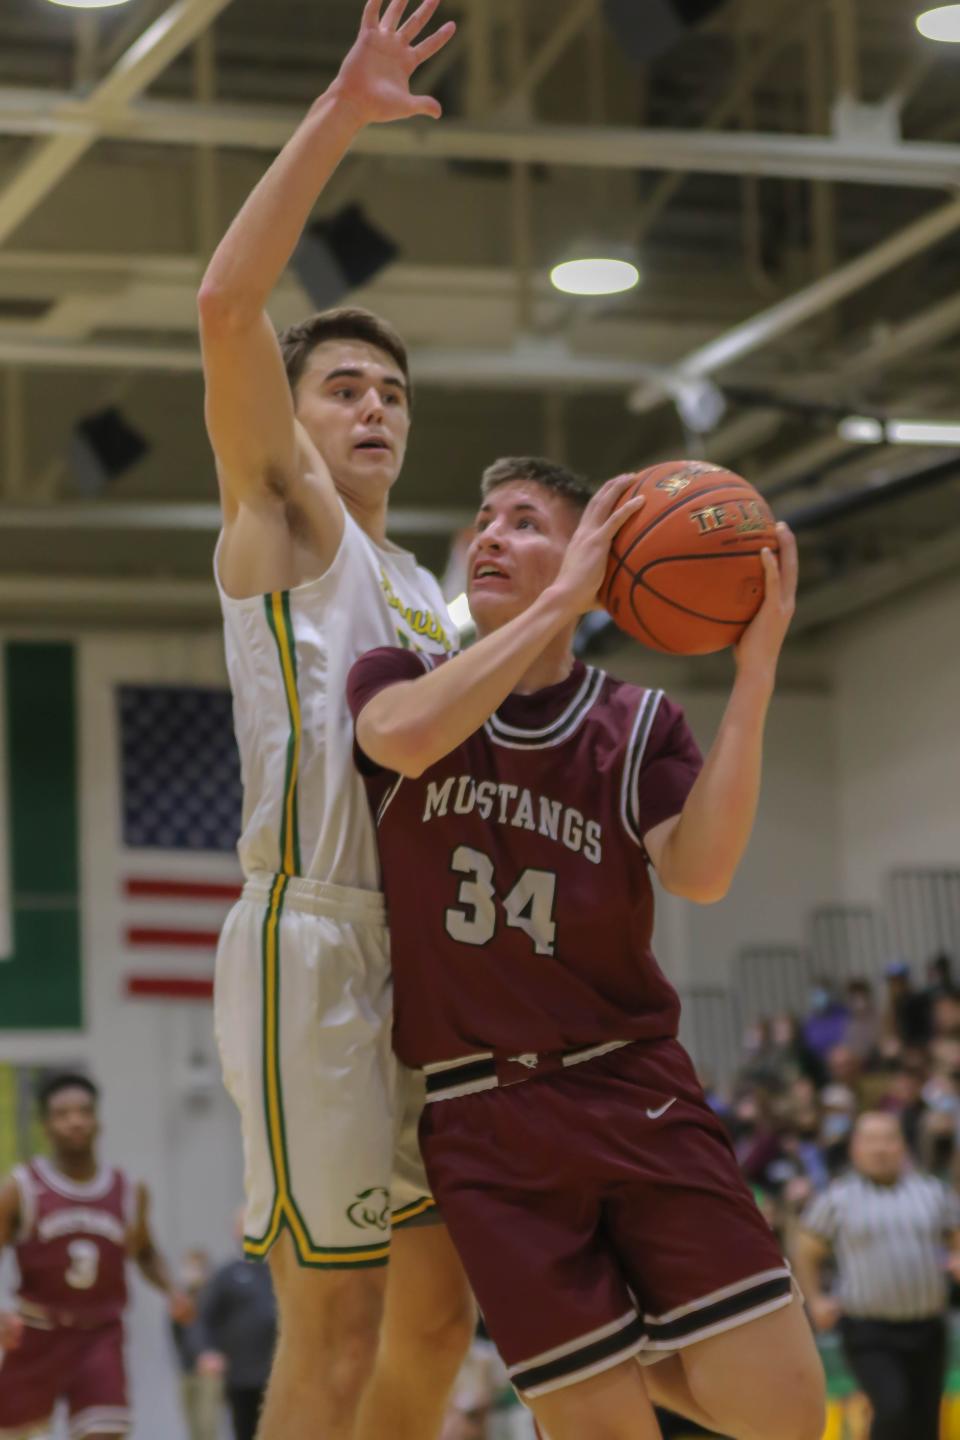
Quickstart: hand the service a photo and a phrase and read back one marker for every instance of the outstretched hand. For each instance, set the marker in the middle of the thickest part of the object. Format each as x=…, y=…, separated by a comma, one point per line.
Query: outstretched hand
x=585, y=562
x=760, y=644
x=375, y=76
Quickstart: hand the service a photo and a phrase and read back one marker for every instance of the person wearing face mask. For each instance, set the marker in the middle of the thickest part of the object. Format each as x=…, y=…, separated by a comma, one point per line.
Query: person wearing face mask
x=894, y=1235
x=827, y=1022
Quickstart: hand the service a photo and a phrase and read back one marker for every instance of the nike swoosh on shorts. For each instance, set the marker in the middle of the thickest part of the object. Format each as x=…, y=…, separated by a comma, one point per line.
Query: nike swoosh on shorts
x=655, y=1114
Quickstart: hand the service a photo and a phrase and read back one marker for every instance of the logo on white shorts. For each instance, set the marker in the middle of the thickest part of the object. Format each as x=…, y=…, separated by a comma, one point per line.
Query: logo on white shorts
x=371, y=1209
x=655, y=1114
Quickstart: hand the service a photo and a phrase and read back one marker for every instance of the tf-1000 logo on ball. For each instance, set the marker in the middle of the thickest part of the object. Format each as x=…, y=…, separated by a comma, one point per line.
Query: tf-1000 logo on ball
x=744, y=516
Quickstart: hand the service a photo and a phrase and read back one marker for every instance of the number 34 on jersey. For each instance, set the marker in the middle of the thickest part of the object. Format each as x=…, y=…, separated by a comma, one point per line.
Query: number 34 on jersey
x=529, y=906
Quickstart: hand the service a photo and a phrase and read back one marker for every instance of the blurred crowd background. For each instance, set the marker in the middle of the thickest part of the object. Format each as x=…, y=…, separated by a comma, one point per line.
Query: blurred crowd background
x=891, y=1045
x=803, y=1080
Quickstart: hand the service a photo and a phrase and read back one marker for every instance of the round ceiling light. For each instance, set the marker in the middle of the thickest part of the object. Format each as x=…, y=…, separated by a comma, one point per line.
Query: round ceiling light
x=595, y=277
x=941, y=24
x=89, y=4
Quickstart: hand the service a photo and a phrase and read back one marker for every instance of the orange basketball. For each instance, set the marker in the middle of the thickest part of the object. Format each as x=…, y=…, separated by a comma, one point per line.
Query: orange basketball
x=685, y=573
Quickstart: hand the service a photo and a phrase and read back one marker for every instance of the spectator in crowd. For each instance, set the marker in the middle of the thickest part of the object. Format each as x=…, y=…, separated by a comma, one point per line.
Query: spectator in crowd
x=201, y=1393
x=904, y=1098
x=826, y=1025
x=908, y=1021
x=793, y=1061
x=839, y=1106
x=755, y=1139
x=885, y=1225
x=759, y=1061
x=844, y=1068
x=945, y=1020
x=940, y=980
x=863, y=1032
x=238, y=1319
x=806, y=1120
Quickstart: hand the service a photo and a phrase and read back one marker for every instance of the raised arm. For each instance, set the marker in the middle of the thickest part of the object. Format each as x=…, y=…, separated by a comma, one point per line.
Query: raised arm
x=411, y=725
x=249, y=409
x=697, y=853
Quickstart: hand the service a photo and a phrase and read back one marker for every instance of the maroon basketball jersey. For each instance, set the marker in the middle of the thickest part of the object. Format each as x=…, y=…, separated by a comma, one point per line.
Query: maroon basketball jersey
x=72, y=1246
x=517, y=884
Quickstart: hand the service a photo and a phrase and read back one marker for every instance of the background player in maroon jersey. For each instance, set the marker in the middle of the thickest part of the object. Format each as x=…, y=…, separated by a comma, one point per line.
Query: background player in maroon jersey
x=72, y=1225
x=521, y=797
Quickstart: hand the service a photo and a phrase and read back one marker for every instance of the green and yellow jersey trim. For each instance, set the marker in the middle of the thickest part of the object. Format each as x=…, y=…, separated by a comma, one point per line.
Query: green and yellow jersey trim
x=286, y=1213
x=281, y=628
x=410, y=1212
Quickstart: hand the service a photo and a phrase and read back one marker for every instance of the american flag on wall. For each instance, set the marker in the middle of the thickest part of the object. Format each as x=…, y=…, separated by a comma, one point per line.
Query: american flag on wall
x=181, y=810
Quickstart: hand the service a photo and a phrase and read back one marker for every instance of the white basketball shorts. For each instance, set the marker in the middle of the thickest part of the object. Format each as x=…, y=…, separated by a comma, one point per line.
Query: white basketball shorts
x=303, y=1011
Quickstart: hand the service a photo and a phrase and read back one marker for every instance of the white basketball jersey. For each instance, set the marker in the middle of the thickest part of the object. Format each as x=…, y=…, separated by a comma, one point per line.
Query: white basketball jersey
x=289, y=654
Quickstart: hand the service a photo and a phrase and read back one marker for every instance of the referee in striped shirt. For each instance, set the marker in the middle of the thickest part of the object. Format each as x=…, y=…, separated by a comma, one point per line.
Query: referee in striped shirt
x=895, y=1237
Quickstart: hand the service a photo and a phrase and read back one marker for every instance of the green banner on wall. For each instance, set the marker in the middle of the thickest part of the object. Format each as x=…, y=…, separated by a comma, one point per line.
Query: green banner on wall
x=40, y=979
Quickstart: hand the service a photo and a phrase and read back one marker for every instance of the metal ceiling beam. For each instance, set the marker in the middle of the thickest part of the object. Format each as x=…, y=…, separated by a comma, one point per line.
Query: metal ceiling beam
x=787, y=23
x=756, y=428
x=562, y=34
x=525, y=368
x=51, y=159
x=780, y=319
x=913, y=164
x=132, y=516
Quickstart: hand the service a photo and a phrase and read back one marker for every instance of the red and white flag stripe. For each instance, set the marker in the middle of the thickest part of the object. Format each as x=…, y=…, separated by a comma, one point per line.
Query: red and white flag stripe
x=172, y=921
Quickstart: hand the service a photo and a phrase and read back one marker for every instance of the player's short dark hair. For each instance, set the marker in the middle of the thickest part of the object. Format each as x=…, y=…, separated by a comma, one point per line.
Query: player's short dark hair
x=543, y=472
x=64, y=1080
x=298, y=342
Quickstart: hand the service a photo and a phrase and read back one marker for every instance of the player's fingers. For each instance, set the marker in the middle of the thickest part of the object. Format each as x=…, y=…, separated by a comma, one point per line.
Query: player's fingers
x=789, y=564
x=426, y=105
x=608, y=497
x=622, y=514
x=434, y=42
x=418, y=21
x=771, y=576
x=394, y=13
x=371, y=15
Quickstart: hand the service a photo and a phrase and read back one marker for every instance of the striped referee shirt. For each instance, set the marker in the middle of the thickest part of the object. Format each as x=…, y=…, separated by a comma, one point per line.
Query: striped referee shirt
x=889, y=1243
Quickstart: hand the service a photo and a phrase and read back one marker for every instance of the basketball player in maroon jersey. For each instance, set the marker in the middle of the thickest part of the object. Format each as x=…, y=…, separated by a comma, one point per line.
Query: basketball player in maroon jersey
x=72, y=1225
x=521, y=799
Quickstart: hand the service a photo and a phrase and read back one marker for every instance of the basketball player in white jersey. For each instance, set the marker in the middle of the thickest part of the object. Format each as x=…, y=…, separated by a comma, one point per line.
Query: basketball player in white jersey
x=309, y=435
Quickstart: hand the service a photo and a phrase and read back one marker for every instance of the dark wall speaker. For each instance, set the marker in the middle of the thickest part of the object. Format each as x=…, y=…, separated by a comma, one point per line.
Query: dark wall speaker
x=339, y=254
x=103, y=447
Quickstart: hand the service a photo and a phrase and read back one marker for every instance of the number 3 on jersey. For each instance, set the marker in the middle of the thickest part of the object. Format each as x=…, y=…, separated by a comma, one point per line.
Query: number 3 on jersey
x=528, y=907
x=84, y=1264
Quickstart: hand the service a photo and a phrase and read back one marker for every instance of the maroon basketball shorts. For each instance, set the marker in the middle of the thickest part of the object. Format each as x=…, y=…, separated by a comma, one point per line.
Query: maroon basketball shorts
x=599, y=1212
x=83, y=1367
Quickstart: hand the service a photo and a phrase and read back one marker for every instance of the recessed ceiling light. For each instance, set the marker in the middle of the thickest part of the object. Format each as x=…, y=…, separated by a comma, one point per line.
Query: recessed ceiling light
x=942, y=24
x=89, y=4
x=868, y=430
x=595, y=277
